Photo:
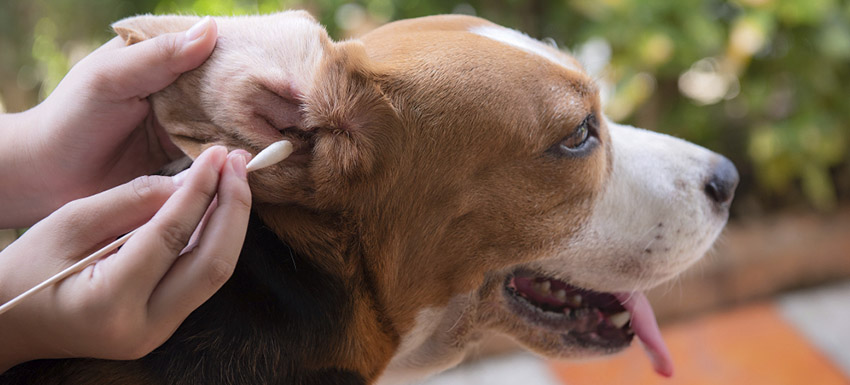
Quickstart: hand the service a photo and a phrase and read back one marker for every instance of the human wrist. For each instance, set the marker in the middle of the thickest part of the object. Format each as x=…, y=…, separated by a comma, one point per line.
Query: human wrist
x=24, y=334
x=22, y=198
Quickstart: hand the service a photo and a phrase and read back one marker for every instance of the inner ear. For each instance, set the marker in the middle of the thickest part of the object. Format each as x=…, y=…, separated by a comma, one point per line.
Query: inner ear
x=274, y=110
x=250, y=115
x=279, y=105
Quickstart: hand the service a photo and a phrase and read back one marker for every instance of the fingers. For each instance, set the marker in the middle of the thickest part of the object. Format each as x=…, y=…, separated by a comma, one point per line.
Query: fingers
x=196, y=276
x=141, y=69
x=132, y=301
x=86, y=224
x=148, y=255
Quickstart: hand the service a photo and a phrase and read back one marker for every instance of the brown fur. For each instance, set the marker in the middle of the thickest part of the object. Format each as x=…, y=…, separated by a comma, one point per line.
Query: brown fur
x=417, y=185
x=375, y=126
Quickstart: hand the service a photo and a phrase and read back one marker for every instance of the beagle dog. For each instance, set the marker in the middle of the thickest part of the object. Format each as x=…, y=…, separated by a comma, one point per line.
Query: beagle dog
x=452, y=179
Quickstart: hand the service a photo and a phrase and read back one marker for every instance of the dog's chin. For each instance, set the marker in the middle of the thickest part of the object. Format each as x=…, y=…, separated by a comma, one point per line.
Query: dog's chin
x=557, y=319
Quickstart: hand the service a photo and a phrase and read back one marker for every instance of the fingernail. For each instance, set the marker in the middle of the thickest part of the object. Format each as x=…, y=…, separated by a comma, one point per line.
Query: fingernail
x=198, y=30
x=180, y=178
x=238, y=161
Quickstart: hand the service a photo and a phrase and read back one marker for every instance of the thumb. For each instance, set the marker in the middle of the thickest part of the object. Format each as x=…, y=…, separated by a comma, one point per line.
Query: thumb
x=138, y=70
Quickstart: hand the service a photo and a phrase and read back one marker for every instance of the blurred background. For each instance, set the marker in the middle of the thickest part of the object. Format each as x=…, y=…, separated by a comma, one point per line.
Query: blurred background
x=764, y=82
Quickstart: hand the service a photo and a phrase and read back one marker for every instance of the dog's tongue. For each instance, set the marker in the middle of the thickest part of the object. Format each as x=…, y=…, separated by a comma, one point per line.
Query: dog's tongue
x=646, y=329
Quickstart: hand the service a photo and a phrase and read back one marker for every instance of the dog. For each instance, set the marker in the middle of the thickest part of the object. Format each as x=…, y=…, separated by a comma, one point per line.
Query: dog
x=451, y=179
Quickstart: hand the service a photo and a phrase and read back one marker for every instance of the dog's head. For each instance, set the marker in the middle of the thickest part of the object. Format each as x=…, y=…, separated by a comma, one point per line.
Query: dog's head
x=467, y=167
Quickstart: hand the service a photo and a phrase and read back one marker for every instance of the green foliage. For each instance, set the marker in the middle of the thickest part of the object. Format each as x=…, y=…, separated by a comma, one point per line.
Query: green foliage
x=762, y=81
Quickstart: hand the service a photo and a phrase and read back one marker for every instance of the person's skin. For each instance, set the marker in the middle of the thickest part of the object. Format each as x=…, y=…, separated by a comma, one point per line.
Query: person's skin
x=94, y=132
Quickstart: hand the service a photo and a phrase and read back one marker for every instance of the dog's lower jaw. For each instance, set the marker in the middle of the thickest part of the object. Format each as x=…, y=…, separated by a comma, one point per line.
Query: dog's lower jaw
x=444, y=335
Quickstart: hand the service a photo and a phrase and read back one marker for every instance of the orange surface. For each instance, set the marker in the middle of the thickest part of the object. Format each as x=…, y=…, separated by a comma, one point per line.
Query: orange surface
x=752, y=346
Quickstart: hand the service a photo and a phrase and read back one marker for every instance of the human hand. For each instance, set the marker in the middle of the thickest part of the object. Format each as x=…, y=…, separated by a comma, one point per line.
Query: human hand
x=96, y=130
x=124, y=306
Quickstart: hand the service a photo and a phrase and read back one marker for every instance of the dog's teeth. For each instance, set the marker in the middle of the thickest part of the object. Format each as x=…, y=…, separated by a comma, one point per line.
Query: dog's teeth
x=620, y=319
x=561, y=295
x=543, y=288
x=575, y=300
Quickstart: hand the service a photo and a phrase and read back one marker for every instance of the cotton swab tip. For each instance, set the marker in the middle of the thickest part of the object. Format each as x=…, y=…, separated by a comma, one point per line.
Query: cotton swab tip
x=274, y=153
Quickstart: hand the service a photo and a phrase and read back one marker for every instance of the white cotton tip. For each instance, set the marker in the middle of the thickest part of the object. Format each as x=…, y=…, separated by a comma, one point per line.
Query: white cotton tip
x=274, y=153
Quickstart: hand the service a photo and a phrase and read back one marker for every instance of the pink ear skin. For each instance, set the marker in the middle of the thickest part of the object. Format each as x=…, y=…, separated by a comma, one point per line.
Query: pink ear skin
x=277, y=113
x=277, y=105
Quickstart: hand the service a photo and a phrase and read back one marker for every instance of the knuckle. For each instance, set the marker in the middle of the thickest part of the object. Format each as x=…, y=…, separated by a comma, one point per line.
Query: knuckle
x=167, y=48
x=242, y=201
x=70, y=212
x=219, y=271
x=101, y=81
x=74, y=222
x=174, y=234
x=128, y=339
x=144, y=187
x=208, y=192
x=115, y=326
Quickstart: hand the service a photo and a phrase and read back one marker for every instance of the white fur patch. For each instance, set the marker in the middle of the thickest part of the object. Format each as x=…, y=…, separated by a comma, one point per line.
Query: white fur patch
x=429, y=347
x=514, y=369
x=524, y=42
x=651, y=221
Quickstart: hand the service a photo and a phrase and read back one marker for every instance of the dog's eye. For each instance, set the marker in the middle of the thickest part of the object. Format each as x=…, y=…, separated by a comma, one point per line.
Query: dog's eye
x=580, y=140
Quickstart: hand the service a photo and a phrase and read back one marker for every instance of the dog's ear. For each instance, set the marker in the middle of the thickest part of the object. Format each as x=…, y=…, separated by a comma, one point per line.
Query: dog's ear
x=136, y=29
x=350, y=113
x=272, y=77
x=336, y=110
x=139, y=28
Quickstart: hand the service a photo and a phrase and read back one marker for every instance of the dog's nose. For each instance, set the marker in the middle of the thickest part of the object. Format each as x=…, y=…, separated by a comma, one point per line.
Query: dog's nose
x=720, y=186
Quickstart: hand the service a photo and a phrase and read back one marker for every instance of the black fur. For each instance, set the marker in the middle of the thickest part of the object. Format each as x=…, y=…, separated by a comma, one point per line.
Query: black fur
x=273, y=322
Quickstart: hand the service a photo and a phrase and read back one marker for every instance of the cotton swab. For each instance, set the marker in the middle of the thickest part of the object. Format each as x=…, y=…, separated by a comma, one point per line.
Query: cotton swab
x=80, y=265
x=273, y=154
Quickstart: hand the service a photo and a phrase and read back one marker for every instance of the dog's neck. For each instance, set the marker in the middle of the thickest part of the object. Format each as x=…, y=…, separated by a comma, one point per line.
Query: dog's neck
x=326, y=243
x=382, y=263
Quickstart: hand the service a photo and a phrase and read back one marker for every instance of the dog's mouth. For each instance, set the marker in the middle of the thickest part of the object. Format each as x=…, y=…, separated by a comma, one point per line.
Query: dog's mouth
x=602, y=322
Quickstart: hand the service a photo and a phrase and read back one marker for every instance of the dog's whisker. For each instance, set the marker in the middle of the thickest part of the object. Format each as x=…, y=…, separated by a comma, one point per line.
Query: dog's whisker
x=292, y=257
x=471, y=297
